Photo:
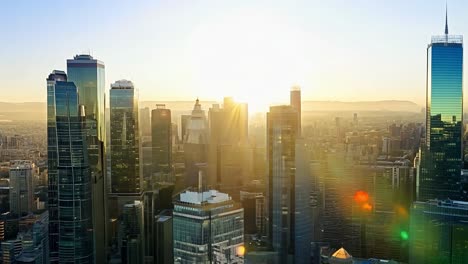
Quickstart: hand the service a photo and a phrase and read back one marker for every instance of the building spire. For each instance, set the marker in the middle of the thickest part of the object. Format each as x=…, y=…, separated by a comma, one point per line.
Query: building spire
x=446, y=19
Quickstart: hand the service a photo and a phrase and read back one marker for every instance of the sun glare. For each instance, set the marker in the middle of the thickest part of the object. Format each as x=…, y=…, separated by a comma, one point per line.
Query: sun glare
x=256, y=59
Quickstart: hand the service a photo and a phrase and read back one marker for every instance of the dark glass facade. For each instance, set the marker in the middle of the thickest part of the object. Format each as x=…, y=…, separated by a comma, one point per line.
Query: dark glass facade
x=441, y=160
x=124, y=139
x=281, y=142
x=439, y=232
x=88, y=76
x=161, y=130
x=70, y=214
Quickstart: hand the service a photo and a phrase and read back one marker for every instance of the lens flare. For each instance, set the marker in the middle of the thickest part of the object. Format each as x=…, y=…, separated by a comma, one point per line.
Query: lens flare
x=404, y=235
x=240, y=251
x=361, y=196
x=367, y=207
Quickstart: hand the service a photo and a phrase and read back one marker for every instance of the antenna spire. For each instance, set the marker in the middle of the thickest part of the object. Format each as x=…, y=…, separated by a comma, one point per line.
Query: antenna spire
x=446, y=19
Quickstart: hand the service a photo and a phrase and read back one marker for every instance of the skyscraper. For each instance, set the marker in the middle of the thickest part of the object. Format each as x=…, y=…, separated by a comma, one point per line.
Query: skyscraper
x=281, y=143
x=70, y=205
x=230, y=157
x=195, y=145
x=303, y=211
x=88, y=76
x=207, y=228
x=132, y=241
x=295, y=102
x=21, y=187
x=145, y=122
x=442, y=155
x=161, y=131
x=125, y=139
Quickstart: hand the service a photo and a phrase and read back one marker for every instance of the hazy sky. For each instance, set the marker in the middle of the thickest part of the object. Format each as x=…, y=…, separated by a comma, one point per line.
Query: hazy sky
x=252, y=50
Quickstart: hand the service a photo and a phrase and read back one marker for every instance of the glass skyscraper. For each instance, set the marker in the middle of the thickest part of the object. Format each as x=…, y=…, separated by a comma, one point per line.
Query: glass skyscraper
x=88, y=76
x=281, y=143
x=124, y=139
x=441, y=158
x=161, y=131
x=70, y=205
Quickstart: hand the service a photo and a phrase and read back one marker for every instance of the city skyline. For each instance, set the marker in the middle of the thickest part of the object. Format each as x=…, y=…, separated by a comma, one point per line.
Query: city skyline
x=274, y=47
x=154, y=149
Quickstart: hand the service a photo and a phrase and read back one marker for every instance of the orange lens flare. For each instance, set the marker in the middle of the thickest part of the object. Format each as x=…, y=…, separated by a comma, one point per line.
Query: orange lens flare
x=367, y=207
x=361, y=197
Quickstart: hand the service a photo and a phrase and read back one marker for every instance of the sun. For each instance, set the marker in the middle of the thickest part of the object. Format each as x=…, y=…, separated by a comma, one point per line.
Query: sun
x=255, y=59
x=255, y=105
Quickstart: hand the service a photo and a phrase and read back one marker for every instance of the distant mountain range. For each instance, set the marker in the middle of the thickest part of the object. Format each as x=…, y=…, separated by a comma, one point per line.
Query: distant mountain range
x=38, y=110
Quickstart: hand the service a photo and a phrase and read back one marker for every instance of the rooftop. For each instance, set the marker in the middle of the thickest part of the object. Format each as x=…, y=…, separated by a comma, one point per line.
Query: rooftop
x=211, y=197
x=447, y=39
x=342, y=254
x=122, y=84
x=21, y=164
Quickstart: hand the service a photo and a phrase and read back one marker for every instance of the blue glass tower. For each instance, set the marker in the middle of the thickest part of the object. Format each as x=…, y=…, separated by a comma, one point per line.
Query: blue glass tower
x=70, y=215
x=441, y=160
x=88, y=76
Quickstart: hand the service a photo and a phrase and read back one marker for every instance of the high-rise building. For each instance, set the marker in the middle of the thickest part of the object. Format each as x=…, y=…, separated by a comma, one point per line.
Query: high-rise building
x=124, y=139
x=195, y=145
x=392, y=197
x=295, y=102
x=207, y=228
x=131, y=242
x=145, y=122
x=163, y=239
x=161, y=131
x=230, y=160
x=88, y=75
x=125, y=170
x=438, y=232
x=303, y=211
x=281, y=143
x=70, y=205
x=254, y=212
x=21, y=187
x=184, y=122
x=35, y=242
x=442, y=155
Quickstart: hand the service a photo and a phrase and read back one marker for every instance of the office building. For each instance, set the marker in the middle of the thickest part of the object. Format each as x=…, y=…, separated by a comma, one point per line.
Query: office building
x=254, y=212
x=392, y=195
x=230, y=160
x=295, y=102
x=88, y=75
x=70, y=205
x=281, y=143
x=163, y=239
x=125, y=170
x=131, y=242
x=145, y=122
x=302, y=221
x=438, y=232
x=442, y=155
x=22, y=173
x=195, y=146
x=184, y=122
x=207, y=228
x=161, y=131
x=124, y=139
